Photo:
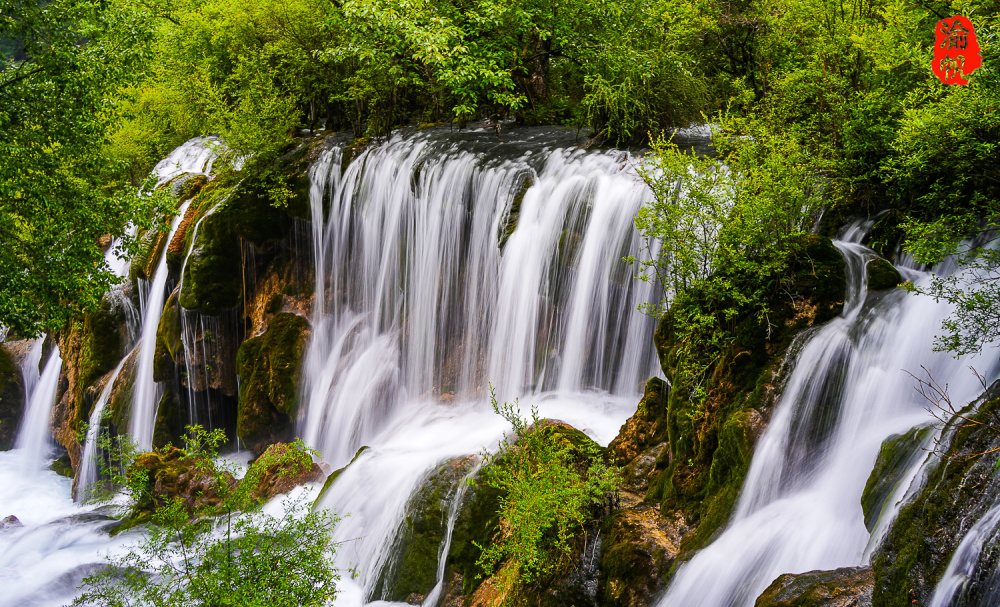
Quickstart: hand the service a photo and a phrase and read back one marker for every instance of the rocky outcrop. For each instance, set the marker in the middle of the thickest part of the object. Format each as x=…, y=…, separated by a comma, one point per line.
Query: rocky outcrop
x=412, y=572
x=11, y=398
x=280, y=469
x=639, y=547
x=171, y=473
x=269, y=367
x=960, y=488
x=847, y=587
x=90, y=348
x=711, y=438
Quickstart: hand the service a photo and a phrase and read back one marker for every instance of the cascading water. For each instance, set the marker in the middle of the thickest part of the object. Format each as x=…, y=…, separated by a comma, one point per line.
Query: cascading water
x=848, y=391
x=34, y=438
x=146, y=393
x=424, y=295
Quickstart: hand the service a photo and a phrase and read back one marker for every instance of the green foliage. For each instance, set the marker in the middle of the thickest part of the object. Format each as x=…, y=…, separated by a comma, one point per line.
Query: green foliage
x=724, y=229
x=548, y=485
x=61, y=189
x=224, y=551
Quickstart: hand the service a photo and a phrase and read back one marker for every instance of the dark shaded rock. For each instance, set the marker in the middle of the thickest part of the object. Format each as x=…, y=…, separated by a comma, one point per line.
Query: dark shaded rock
x=639, y=548
x=898, y=453
x=280, y=469
x=960, y=488
x=11, y=398
x=882, y=275
x=169, y=350
x=269, y=366
x=412, y=572
x=847, y=587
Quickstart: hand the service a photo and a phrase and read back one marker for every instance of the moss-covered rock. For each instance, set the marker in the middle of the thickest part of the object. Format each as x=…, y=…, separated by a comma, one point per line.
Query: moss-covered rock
x=269, y=367
x=638, y=549
x=412, y=572
x=509, y=223
x=279, y=470
x=898, y=453
x=168, y=340
x=711, y=438
x=846, y=587
x=90, y=347
x=960, y=488
x=330, y=480
x=169, y=427
x=882, y=275
x=646, y=427
x=62, y=466
x=147, y=257
x=171, y=473
x=477, y=522
x=11, y=399
x=119, y=404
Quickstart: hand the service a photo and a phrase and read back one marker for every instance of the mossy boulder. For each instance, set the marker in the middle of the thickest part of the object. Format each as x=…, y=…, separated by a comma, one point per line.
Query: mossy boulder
x=476, y=524
x=412, y=572
x=961, y=486
x=172, y=473
x=120, y=400
x=11, y=399
x=269, y=367
x=638, y=549
x=169, y=349
x=62, y=466
x=882, y=275
x=281, y=468
x=898, y=453
x=846, y=587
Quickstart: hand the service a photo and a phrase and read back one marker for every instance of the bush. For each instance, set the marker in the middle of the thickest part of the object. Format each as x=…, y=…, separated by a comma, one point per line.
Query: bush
x=549, y=486
x=218, y=546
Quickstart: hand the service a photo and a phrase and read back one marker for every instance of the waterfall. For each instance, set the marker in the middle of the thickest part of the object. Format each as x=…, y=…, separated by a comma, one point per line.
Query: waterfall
x=415, y=299
x=194, y=156
x=34, y=438
x=146, y=393
x=849, y=390
x=442, y=268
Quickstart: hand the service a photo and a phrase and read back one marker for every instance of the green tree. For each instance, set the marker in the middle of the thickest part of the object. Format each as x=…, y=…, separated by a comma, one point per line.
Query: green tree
x=60, y=191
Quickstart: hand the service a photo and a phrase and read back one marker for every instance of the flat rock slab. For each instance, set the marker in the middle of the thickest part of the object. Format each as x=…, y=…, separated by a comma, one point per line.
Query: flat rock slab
x=847, y=587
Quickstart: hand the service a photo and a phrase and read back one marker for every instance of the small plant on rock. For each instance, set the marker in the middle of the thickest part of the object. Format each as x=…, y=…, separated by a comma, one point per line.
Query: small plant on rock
x=550, y=484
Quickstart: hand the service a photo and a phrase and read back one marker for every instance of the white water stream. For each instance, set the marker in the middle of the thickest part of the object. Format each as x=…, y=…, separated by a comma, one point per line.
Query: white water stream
x=800, y=507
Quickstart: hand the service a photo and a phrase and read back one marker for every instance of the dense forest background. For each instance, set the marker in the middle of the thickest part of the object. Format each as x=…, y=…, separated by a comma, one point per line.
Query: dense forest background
x=837, y=95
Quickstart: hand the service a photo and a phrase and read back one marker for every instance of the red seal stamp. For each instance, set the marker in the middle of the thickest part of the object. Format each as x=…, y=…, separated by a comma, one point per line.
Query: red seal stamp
x=956, y=50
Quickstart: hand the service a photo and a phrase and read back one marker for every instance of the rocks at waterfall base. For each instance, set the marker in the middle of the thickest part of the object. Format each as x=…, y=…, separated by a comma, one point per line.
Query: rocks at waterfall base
x=172, y=473
x=882, y=275
x=847, y=587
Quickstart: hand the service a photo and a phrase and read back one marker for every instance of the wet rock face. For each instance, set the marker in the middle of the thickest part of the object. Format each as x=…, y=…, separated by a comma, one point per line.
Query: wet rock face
x=961, y=487
x=639, y=547
x=897, y=454
x=11, y=399
x=847, y=587
x=10, y=522
x=412, y=573
x=269, y=367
